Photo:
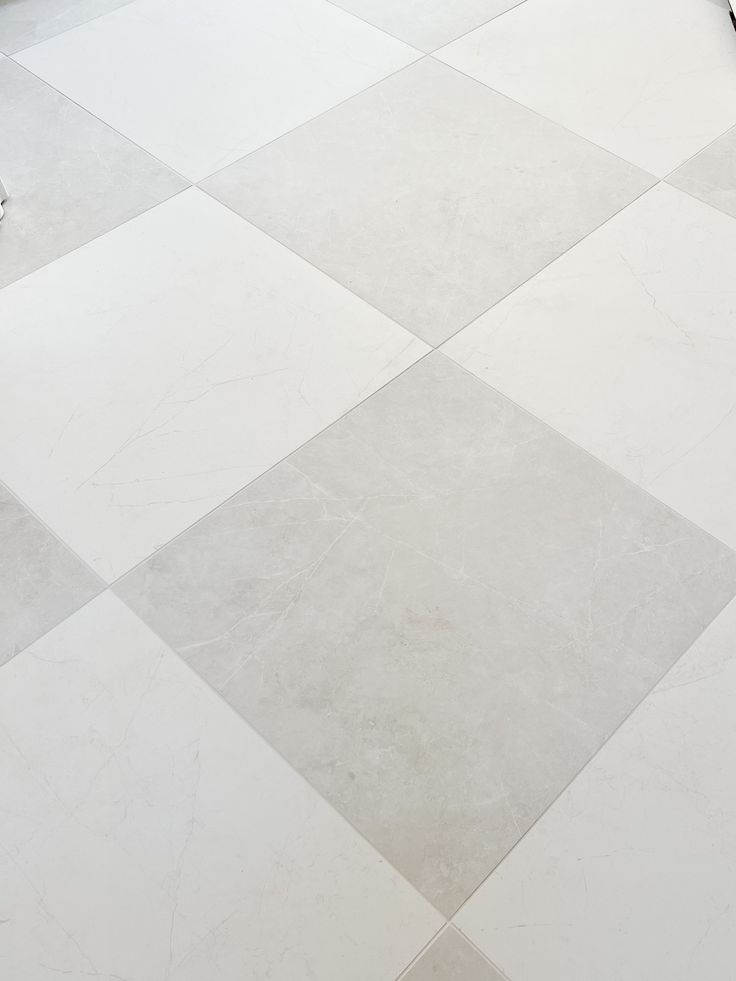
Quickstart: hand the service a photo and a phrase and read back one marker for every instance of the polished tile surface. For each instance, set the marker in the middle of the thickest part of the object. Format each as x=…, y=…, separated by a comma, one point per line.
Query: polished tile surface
x=234, y=81
x=147, y=833
x=429, y=195
x=427, y=24
x=451, y=958
x=70, y=178
x=651, y=80
x=41, y=582
x=26, y=22
x=190, y=353
x=711, y=174
x=436, y=610
x=631, y=872
x=306, y=626
x=627, y=345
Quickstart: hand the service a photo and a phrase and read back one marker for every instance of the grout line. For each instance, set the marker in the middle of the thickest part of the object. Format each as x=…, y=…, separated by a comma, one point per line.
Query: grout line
x=73, y=27
x=337, y=105
x=582, y=449
x=82, y=245
x=52, y=533
x=592, y=758
x=283, y=459
x=476, y=948
x=352, y=13
x=257, y=732
x=477, y=27
x=547, y=119
x=415, y=960
x=99, y=119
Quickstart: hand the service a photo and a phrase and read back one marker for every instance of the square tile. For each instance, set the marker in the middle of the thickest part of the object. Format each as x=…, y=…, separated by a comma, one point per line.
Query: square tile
x=653, y=82
x=437, y=610
x=627, y=345
x=41, y=582
x=148, y=833
x=200, y=85
x=451, y=958
x=70, y=178
x=427, y=24
x=429, y=195
x=180, y=356
x=631, y=873
x=26, y=22
x=711, y=175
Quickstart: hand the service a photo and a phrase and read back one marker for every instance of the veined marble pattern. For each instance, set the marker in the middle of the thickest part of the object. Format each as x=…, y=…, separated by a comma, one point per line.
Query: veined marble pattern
x=299, y=56
x=70, y=178
x=325, y=655
x=180, y=357
x=631, y=872
x=651, y=80
x=627, y=345
x=429, y=195
x=147, y=833
x=437, y=610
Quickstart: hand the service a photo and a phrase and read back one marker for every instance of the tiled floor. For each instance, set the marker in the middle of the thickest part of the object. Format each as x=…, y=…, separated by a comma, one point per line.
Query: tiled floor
x=367, y=490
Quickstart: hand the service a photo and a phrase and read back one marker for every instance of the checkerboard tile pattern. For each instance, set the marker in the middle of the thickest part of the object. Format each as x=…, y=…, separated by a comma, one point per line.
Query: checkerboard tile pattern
x=366, y=509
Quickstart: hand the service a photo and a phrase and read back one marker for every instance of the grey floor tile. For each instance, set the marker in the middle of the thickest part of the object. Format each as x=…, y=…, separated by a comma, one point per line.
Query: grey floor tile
x=41, y=581
x=26, y=22
x=451, y=958
x=70, y=178
x=437, y=610
x=711, y=175
x=427, y=24
x=429, y=195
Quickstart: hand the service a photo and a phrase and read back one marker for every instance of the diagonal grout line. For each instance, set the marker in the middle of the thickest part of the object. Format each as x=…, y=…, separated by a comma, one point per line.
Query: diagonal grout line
x=301, y=777
x=336, y=3
x=66, y=30
x=605, y=742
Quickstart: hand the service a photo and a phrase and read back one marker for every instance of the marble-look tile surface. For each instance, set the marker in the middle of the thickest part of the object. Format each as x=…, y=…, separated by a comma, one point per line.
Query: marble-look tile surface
x=236, y=76
x=179, y=357
x=41, y=582
x=26, y=22
x=711, y=175
x=653, y=81
x=427, y=24
x=631, y=873
x=451, y=958
x=627, y=345
x=429, y=195
x=147, y=833
x=437, y=610
x=69, y=177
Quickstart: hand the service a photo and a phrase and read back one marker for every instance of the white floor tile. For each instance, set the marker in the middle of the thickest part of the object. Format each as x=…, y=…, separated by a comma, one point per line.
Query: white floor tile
x=627, y=344
x=651, y=80
x=631, y=873
x=177, y=358
x=146, y=832
x=200, y=84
